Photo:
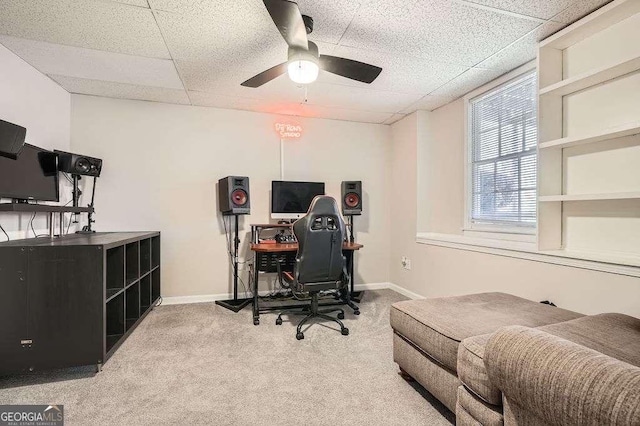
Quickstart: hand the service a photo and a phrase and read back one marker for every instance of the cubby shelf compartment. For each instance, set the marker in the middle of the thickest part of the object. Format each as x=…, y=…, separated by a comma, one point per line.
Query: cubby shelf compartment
x=132, y=303
x=145, y=256
x=590, y=197
x=614, y=133
x=115, y=326
x=115, y=270
x=145, y=292
x=591, y=78
x=133, y=266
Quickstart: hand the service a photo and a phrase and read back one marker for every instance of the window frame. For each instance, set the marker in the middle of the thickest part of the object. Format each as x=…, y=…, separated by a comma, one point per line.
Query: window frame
x=490, y=230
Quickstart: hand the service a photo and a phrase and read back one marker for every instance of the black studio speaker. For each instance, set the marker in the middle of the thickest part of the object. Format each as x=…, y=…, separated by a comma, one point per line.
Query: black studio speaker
x=233, y=195
x=77, y=164
x=351, y=197
x=12, y=139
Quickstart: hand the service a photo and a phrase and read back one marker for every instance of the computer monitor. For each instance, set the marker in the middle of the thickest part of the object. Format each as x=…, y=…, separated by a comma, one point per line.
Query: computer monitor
x=291, y=200
x=32, y=176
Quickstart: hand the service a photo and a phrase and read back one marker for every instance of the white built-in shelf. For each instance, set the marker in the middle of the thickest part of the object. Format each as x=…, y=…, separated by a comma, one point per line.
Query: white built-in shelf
x=613, y=258
x=597, y=21
x=590, y=197
x=591, y=78
x=613, y=133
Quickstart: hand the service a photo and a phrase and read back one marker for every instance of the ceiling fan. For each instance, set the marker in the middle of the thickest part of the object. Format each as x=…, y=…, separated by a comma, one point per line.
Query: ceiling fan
x=305, y=61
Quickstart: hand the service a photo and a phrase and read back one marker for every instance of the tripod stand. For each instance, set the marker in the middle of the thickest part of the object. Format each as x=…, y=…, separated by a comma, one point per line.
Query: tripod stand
x=235, y=304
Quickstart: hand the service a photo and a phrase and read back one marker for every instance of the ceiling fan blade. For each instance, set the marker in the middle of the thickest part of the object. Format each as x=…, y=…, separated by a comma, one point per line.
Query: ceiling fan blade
x=287, y=17
x=349, y=68
x=266, y=76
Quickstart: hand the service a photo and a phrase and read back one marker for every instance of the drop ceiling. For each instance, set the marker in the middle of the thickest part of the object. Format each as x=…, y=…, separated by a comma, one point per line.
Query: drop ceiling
x=197, y=52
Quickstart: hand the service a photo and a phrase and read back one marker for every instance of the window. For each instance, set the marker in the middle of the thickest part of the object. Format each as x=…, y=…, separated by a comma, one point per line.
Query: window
x=503, y=137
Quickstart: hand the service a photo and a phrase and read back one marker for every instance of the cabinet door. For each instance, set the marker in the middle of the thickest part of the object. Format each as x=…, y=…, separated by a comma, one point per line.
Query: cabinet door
x=13, y=310
x=66, y=303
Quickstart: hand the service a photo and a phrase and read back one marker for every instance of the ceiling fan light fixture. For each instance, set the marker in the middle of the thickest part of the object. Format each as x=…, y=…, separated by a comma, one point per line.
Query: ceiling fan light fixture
x=303, y=71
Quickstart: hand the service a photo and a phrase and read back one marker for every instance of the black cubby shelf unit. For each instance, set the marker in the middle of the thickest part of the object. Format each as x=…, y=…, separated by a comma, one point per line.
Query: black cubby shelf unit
x=97, y=288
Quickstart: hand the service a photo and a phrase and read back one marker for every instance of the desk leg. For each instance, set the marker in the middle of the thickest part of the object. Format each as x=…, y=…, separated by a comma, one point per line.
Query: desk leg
x=355, y=295
x=256, y=308
x=349, y=293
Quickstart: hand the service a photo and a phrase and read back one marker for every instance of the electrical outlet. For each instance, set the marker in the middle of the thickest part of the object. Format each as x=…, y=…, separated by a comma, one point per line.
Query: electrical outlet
x=406, y=263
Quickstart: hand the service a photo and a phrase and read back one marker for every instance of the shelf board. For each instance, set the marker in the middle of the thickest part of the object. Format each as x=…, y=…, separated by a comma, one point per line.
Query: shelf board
x=590, y=197
x=26, y=207
x=597, y=21
x=614, y=133
x=591, y=78
x=113, y=292
x=131, y=284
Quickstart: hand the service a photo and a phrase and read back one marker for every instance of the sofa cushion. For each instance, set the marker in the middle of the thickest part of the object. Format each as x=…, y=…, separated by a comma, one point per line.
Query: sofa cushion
x=472, y=372
x=615, y=335
x=483, y=413
x=437, y=326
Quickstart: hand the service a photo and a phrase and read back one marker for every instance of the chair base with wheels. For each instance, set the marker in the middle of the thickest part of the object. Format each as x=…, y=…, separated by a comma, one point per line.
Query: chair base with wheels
x=311, y=312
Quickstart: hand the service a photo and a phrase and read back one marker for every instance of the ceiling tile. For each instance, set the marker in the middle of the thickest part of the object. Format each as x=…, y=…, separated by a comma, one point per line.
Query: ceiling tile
x=110, y=26
x=233, y=17
x=404, y=74
x=466, y=82
x=331, y=95
x=92, y=64
x=538, y=9
x=317, y=111
x=330, y=18
x=579, y=9
x=120, y=90
x=285, y=108
x=521, y=51
x=194, y=38
x=428, y=103
x=440, y=30
x=202, y=77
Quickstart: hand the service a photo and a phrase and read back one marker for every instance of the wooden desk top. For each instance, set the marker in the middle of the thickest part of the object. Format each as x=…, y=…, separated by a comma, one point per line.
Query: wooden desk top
x=272, y=248
x=278, y=225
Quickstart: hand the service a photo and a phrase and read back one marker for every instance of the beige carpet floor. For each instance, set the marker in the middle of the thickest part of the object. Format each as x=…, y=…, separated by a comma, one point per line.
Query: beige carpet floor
x=200, y=364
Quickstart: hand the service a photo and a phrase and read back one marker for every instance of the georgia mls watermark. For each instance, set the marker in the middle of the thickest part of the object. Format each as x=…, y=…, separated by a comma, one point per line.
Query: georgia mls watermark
x=31, y=415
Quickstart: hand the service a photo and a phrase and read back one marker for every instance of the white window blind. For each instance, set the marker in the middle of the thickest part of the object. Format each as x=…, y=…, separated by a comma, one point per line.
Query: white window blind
x=504, y=133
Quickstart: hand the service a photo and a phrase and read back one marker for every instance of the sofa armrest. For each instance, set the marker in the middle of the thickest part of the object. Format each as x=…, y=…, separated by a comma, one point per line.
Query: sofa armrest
x=560, y=381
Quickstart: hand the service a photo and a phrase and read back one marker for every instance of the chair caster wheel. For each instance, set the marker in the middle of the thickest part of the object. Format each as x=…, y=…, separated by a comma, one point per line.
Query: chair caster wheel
x=340, y=315
x=279, y=321
x=345, y=331
x=299, y=336
x=256, y=321
x=356, y=312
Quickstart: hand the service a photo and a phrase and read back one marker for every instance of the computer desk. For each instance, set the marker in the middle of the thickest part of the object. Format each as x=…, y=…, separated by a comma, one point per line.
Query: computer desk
x=265, y=256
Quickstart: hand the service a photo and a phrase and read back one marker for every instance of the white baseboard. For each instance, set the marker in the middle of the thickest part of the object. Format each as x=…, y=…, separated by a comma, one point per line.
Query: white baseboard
x=403, y=291
x=203, y=298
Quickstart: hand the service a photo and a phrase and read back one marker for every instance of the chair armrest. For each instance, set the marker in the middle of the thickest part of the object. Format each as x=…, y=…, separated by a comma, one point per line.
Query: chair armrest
x=288, y=276
x=562, y=382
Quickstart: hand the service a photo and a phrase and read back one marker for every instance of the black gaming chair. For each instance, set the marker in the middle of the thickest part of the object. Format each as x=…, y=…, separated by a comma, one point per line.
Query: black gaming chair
x=320, y=264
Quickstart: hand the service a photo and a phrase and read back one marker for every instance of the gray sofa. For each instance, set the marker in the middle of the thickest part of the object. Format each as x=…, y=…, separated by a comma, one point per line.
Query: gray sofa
x=446, y=343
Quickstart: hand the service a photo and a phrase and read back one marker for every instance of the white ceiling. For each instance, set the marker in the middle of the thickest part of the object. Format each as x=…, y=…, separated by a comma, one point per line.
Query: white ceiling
x=198, y=52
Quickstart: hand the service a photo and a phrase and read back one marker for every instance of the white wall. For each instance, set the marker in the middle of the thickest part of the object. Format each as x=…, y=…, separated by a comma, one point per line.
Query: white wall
x=34, y=101
x=440, y=271
x=162, y=163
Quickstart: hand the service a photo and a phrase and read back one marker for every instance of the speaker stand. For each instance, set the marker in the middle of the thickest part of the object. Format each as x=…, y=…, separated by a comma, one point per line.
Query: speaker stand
x=235, y=304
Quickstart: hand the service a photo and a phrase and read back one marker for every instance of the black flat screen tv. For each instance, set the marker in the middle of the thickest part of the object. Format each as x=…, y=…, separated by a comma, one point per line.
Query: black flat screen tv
x=291, y=200
x=32, y=176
